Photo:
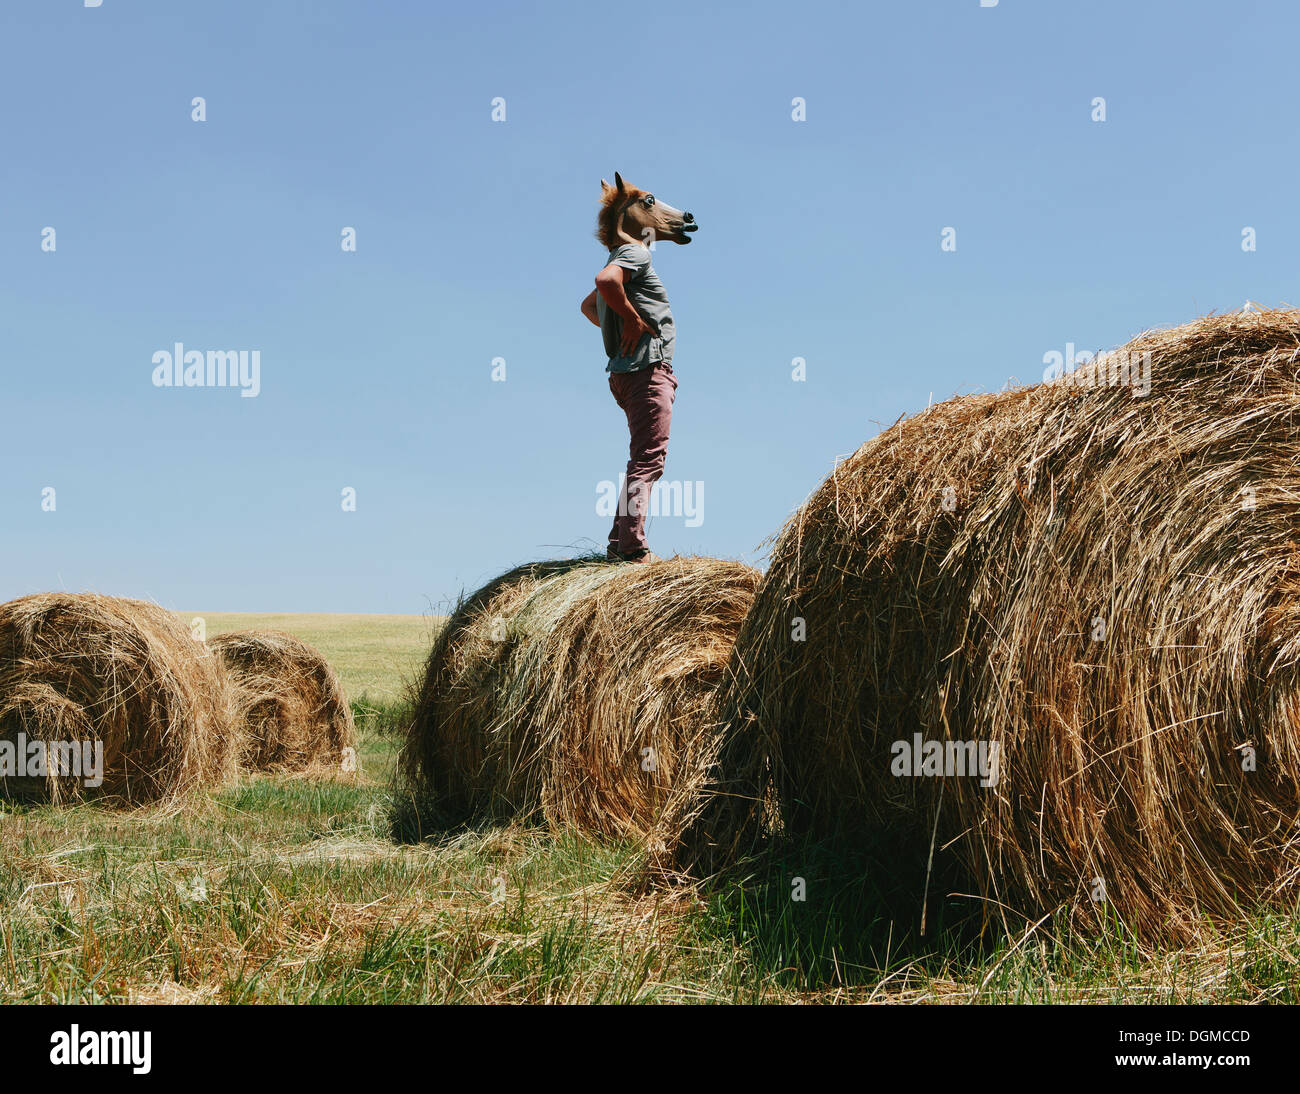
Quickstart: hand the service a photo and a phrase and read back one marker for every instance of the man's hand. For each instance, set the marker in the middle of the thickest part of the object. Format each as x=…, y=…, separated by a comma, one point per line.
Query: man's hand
x=634, y=330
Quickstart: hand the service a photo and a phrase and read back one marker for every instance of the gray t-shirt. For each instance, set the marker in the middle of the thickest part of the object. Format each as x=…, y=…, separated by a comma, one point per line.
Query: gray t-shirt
x=647, y=295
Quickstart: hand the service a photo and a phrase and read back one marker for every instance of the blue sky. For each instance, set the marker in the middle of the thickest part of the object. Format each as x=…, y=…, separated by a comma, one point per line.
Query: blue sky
x=819, y=239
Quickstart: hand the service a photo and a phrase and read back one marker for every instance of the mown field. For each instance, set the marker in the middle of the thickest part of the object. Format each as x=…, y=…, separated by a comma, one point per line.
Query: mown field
x=283, y=889
x=376, y=656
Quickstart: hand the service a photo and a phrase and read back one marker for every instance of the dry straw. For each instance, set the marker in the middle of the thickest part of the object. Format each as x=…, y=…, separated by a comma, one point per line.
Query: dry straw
x=584, y=691
x=288, y=701
x=1104, y=583
x=85, y=668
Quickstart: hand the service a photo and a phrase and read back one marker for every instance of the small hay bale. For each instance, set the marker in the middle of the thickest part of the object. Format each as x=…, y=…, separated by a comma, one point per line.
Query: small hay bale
x=1104, y=584
x=583, y=691
x=125, y=675
x=293, y=714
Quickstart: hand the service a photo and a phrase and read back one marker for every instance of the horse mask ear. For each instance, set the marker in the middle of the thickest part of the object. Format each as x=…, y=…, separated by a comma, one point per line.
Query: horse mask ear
x=618, y=181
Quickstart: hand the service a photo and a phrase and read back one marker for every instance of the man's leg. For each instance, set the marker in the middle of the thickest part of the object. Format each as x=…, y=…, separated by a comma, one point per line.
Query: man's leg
x=648, y=402
x=617, y=387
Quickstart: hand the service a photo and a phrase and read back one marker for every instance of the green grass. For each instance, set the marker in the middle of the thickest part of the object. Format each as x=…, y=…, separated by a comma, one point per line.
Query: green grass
x=284, y=889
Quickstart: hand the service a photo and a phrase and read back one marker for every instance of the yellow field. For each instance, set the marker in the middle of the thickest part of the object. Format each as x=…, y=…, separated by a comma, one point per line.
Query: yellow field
x=375, y=655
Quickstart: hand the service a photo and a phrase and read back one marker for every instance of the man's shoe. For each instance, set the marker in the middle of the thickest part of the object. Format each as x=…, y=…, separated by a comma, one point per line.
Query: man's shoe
x=642, y=556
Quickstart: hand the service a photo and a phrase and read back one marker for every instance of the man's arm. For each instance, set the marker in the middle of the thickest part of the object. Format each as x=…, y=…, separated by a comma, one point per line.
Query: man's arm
x=611, y=283
x=589, y=308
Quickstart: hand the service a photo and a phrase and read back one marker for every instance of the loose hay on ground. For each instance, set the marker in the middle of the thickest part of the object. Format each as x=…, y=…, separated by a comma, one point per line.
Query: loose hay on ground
x=1107, y=586
x=288, y=701
x=124, y=673
x=583, y=691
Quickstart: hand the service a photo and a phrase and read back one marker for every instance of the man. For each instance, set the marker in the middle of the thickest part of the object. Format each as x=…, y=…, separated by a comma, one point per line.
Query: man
x=630, y=306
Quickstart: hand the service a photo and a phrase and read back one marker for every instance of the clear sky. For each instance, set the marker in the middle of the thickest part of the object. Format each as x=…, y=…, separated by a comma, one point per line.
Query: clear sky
x=819, y=239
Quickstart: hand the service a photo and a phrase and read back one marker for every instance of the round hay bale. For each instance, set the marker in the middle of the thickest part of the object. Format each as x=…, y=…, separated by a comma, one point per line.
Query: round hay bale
x=471, y=750
x=293, y=714
x=582, y=690
x=98, y=672
x=1100, y=583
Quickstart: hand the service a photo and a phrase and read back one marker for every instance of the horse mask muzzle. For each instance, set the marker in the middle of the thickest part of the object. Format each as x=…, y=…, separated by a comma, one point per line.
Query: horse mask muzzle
x=686, y=225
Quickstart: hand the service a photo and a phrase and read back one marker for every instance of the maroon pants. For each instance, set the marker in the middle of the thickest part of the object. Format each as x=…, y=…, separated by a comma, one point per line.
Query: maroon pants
x=646, y=397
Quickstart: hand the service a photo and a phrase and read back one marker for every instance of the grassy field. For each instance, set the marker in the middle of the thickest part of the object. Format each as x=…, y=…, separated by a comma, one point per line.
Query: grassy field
x=288, y=890
x=374, y=655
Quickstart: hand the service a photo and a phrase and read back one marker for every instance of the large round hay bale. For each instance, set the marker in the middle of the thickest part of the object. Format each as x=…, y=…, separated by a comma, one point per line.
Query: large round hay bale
x=293, y=714
x=99, y=672
x=1103, y=584
x=582, y=690
x=471, y=748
